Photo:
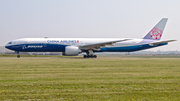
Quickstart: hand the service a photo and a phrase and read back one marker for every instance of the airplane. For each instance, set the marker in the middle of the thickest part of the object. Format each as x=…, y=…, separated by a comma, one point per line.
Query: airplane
x=75, y=46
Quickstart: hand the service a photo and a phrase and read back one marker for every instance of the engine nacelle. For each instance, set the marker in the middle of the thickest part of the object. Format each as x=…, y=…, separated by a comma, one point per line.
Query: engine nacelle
x=71, y=51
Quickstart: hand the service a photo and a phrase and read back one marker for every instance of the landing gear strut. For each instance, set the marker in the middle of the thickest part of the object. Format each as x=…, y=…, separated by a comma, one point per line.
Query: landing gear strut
x=90, y=54
x=18, y=56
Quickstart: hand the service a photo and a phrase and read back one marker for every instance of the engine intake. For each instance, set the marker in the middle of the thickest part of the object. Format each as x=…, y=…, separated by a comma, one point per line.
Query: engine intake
x=71, y=51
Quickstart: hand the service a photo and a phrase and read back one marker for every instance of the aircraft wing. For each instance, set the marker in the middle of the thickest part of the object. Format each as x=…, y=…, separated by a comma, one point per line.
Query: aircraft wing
x=159, y=42
x=96, y=46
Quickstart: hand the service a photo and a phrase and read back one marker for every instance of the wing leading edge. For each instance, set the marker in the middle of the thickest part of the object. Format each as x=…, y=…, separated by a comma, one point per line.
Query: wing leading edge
x=96, y=46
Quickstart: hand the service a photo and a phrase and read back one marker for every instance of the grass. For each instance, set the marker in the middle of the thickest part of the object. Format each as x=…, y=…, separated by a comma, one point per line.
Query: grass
x=15, y=55
x=75, y=78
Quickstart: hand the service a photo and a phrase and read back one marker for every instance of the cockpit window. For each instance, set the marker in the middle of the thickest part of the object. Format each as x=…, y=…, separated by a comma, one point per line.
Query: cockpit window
x=10, y=43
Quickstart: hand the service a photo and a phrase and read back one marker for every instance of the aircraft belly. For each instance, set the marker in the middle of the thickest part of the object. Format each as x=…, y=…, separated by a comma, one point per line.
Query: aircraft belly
x=128, y=48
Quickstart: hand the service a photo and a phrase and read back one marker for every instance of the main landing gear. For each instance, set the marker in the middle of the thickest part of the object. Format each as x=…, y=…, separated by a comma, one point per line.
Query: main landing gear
x=90, y=54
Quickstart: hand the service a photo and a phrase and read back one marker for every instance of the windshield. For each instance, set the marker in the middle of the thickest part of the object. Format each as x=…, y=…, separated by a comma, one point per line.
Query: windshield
x=10, y=43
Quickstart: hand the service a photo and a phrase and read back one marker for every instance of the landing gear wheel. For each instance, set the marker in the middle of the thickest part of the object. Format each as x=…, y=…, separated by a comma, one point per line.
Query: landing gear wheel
x=85, y=56
x=90, y=56
x=18, y=56
x=95, y=56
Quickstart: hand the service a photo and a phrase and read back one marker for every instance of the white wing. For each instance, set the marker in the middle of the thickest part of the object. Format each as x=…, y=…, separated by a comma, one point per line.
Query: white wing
x=96, y=46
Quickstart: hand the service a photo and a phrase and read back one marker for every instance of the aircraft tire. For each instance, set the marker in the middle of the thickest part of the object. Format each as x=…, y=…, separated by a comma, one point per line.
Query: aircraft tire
x=85, y=56
x=18, y=56
x=91, y=56
x=95, y=56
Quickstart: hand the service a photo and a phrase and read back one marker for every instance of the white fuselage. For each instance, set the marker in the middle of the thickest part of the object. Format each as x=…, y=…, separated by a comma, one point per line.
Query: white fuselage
x=59, y=44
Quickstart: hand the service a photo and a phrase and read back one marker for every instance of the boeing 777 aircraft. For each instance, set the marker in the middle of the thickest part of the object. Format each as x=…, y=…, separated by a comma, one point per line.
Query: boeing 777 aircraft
x=75, y=46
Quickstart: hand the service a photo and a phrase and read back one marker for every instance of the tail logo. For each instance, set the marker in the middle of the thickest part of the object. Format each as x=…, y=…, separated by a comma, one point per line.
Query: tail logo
x=155, y=33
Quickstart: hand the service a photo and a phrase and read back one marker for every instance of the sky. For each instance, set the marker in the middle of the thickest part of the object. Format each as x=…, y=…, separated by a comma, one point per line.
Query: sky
x=88, y=19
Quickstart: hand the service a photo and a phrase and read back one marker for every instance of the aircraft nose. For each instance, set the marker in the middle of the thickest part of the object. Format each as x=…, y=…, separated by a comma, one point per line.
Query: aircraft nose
x=7, y=46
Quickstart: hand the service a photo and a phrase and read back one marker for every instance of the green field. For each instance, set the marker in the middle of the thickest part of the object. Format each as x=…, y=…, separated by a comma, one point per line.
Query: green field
x=106, y=78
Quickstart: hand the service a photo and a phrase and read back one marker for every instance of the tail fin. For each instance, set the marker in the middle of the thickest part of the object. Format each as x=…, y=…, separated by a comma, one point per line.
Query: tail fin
x=157, y=31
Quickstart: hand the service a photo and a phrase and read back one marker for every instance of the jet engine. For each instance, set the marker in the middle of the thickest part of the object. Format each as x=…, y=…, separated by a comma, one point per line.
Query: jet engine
x=71, y=51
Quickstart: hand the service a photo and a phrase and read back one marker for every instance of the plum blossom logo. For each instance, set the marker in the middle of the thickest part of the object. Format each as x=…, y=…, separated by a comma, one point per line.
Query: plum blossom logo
x=155, y=33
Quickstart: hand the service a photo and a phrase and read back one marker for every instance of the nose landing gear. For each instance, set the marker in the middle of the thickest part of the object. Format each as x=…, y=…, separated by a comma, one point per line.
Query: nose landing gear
x=17, y=52
x=18, y=56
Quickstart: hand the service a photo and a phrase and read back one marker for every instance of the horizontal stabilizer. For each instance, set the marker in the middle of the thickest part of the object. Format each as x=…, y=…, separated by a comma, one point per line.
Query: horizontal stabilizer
x=159, y=42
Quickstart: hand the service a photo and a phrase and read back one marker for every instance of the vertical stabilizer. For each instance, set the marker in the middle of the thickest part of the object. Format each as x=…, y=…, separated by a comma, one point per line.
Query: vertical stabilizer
x=157, y=31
